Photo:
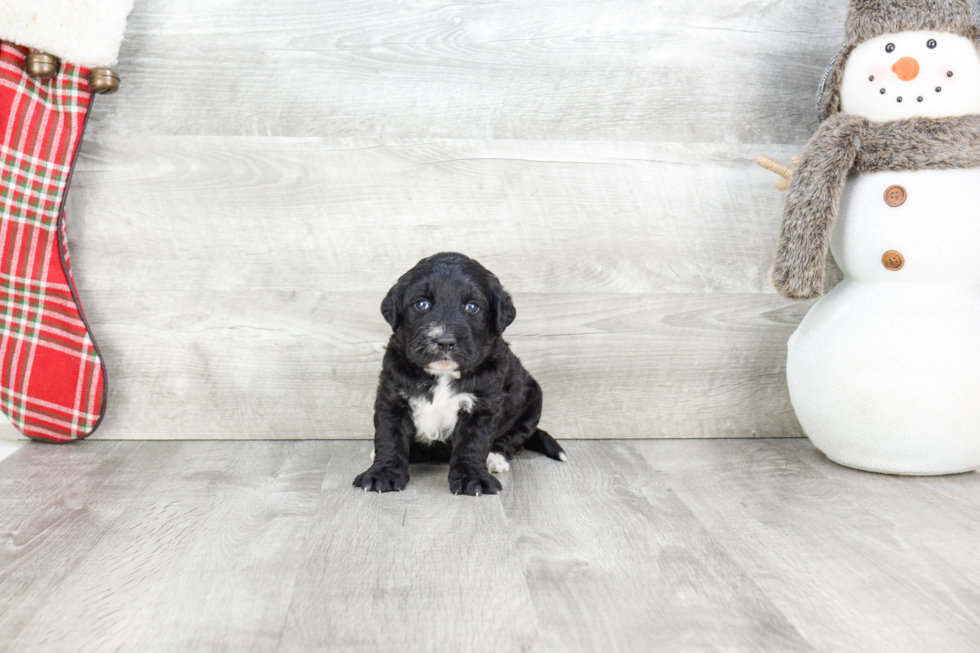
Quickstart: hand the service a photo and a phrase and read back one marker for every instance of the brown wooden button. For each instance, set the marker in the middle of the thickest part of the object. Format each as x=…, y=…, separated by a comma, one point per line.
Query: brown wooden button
x=893, y=260
x=895, y=195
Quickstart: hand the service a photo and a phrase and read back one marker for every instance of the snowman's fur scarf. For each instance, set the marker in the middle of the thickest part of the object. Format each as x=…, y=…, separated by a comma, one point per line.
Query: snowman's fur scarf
x=845, y=144
x=867, y=19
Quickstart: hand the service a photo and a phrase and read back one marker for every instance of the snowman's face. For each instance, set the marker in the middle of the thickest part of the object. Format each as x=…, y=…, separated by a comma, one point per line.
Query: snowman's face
x=908, y=74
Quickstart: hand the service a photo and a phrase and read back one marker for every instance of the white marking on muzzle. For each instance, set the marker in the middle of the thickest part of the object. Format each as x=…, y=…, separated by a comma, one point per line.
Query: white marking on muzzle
x=444, y=367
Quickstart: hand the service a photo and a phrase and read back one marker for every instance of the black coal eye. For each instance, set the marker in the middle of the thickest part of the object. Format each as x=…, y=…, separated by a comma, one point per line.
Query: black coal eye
x=472, y=308
x=890, y=47
x=899, y=99
x=939, y=89
x=423, y=304
x=871, y=79
x=931, y=43
x=949, y=74
x=882, y=91
x=919, y=98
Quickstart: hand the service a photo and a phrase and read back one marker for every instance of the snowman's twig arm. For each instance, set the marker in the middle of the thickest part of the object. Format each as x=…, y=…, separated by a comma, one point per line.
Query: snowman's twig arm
x=811, y=207
x=772, y=165
x=784, y=171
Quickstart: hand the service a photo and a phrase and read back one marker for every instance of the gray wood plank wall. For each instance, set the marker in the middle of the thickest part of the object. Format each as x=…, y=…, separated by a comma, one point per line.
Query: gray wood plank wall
x=267, y=170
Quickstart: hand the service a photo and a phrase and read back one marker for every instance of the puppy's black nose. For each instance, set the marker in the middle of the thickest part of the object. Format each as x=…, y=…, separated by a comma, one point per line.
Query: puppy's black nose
x=446, y=342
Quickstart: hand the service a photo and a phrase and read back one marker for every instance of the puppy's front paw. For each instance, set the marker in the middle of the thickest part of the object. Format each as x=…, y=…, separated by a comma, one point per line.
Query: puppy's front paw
x=382, y=479
x=472, y=482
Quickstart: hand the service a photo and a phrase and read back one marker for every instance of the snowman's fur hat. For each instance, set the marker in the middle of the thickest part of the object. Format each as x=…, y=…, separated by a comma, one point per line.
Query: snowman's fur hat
x=870, y=18
x=846, y=143
x=867, y=19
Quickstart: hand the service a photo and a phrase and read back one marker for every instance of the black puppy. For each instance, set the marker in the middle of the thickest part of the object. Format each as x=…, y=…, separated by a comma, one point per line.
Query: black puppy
x=450, y=386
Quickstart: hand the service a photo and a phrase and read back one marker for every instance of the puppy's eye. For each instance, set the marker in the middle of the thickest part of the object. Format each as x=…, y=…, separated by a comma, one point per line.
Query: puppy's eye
x=890, y=47
x=423, y=305
x=472, y=308
x=931, y=44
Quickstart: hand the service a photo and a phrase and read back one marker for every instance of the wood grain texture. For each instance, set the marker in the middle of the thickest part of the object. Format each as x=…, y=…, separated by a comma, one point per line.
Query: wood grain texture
x=420, y=569
x=658, y=545
x=605, y=530
x=196, y=214
x=54, y=510
x=263, y=321
x=707, y=71
x=856, y=561
x=267, y=171
x=201, y=553
x=633, y=366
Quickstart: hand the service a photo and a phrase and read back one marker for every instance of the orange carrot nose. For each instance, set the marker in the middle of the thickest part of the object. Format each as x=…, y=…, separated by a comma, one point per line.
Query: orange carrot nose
x=906, y=68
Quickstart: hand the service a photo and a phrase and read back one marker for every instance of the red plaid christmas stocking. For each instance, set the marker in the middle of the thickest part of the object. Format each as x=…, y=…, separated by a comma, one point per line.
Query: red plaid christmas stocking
x=52, y=382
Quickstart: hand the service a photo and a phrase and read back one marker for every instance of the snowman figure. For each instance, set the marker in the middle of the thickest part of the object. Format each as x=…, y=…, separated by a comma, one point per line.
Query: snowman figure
x=884, y=371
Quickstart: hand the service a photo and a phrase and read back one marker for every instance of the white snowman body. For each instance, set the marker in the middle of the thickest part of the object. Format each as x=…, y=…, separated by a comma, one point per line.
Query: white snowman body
x=884, y=371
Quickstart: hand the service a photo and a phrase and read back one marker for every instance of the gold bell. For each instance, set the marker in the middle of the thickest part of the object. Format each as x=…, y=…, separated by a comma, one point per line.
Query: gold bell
x=41, y=65
x=103, y=81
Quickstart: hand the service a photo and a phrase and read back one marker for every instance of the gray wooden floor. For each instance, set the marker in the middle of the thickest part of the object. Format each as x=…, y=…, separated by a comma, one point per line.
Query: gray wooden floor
x=670, y=545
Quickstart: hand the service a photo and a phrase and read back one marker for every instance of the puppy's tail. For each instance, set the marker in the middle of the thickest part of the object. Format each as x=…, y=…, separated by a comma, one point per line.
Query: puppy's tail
x=541, y=442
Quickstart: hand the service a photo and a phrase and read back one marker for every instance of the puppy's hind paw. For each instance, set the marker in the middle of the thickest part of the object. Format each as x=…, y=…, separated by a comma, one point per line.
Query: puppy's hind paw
x=497, y=463
x=472, y=483
x=382, y=479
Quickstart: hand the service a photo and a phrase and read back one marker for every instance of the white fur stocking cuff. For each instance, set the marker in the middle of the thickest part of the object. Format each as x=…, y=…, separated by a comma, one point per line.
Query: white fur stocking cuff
x=86, y=33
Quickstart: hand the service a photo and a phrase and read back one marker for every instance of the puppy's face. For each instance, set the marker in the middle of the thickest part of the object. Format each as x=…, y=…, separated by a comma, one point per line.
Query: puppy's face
x=447, y=312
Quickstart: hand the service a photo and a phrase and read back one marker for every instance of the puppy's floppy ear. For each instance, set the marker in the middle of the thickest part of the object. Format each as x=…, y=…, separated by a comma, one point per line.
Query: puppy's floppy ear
x=391, y=305
x=503, y=306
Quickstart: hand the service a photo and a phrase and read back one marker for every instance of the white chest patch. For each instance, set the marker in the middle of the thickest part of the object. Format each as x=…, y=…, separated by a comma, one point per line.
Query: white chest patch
x=436, y=419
